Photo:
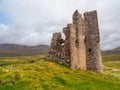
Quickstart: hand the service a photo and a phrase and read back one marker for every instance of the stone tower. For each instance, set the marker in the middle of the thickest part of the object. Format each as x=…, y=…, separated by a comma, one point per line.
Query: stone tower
x=81, y=47
x=92, y=41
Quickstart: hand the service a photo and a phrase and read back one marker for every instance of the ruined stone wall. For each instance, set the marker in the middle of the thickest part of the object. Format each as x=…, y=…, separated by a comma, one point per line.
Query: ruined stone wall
x=79, y=41
x=66, y=31
x=55, y=49
x=81, y=47
x=92, y=38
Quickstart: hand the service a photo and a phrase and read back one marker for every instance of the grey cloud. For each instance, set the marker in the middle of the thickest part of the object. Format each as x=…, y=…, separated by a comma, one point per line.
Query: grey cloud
x=34, y=21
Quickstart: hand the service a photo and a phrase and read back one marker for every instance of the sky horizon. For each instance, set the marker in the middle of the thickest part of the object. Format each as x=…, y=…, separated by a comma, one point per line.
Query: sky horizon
x=32, y=22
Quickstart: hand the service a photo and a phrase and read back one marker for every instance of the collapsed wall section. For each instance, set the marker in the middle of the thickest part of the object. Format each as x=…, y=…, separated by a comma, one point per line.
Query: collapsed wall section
x=55, y=49
x=66, y=31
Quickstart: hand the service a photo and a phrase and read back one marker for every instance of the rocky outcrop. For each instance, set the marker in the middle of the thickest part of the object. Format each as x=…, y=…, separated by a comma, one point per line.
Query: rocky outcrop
x=81, y=47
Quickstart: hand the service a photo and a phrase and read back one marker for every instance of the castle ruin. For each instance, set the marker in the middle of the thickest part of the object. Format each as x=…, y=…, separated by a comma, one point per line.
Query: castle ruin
x=81, y=47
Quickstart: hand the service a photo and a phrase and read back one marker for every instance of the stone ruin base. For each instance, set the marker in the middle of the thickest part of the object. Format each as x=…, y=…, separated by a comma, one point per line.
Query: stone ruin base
x=81, y=47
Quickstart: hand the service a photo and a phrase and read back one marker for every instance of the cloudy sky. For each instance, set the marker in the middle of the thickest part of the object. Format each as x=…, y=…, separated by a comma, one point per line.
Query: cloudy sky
x=32, y=22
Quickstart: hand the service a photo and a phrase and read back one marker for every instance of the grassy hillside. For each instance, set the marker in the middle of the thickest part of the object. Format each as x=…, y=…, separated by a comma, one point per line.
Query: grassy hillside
x=34, y=73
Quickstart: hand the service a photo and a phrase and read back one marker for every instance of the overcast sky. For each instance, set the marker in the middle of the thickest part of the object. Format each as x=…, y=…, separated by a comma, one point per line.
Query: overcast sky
x=32, y=22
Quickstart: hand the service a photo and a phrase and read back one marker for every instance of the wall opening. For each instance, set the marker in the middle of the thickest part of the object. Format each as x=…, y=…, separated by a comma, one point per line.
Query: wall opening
x=89, y=50
x=62, y=44
x=77, y=43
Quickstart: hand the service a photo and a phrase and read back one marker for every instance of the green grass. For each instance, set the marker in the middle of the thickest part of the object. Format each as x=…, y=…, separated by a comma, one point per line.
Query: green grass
x=112, y=61
x=111, y=64
x=34, y=73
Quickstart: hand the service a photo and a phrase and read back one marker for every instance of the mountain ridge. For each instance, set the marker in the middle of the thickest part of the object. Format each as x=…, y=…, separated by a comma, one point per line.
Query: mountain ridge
x=22, y=50
x=112, y=51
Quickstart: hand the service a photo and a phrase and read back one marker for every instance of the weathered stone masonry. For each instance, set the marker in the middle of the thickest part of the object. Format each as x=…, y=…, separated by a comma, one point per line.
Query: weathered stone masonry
x=81, y=47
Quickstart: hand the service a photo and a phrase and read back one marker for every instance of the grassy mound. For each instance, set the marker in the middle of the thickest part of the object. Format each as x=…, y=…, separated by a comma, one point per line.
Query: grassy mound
x=34, y=73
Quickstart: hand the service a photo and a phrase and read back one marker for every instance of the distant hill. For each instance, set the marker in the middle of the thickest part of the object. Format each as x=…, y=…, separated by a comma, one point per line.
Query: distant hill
x=8, y=50
x=112, y=51
x=22, y=50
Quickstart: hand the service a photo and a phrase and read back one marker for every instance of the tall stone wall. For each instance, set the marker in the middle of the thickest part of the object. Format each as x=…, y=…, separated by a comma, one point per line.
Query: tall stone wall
x=93, y=57
x=81, y=47
x=79, y=42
